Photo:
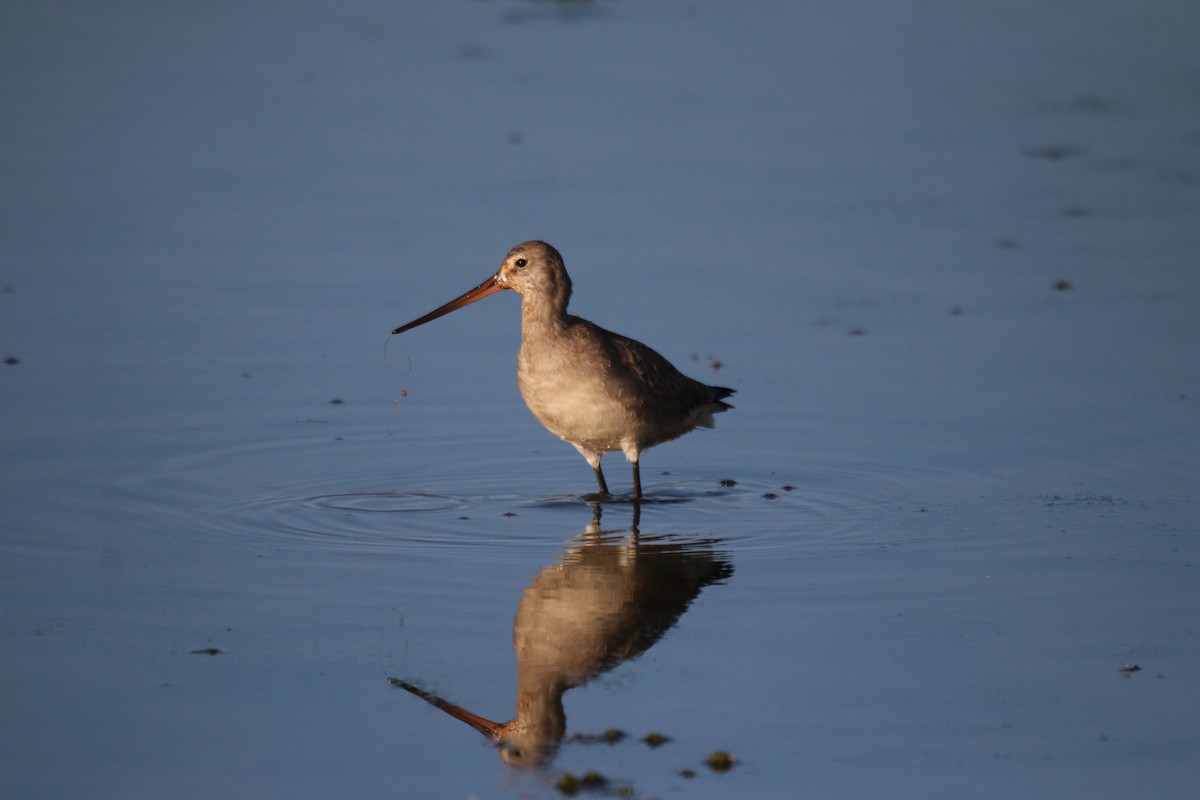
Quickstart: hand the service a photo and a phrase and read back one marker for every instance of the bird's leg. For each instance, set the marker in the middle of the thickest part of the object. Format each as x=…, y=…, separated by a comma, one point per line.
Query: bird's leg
x=632, y=453
x=593, y=458
x=600, y=478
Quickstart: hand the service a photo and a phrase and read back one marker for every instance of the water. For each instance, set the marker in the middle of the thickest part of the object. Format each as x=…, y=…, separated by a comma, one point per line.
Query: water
x=951, y=503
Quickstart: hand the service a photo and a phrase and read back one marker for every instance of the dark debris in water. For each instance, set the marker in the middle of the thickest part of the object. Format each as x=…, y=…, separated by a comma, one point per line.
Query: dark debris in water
x=1053, y=152
x=720, y=761
x=728, y=482
x=12, y=360
x=206, y=651
x=592, y=778
x=568, y=785
x=591, y=781
x=1087, y=500
x=610, y=736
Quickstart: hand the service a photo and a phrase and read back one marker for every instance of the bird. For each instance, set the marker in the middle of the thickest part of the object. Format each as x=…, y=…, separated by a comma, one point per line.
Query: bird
x=597, y=390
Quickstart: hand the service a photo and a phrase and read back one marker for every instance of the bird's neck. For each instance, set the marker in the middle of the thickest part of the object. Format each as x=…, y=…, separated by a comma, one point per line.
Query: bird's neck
x=543, y=313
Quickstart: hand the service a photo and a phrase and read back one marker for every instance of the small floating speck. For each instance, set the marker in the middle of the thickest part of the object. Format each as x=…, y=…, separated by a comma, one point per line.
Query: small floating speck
x=1052, y=152
x=510, y=513
x=336, y=401
x=720, y=761
x=687, y=773
x=1061, y=285
x=655, y=740
x=206, y=651
x=473, y=50
x=568, y=785
x=769, y=495
x=592, y=779
x=1128, y=668
x=12, y=360
x=404, y=392
x=728, y=482
x=614, y=735
x=856, y=332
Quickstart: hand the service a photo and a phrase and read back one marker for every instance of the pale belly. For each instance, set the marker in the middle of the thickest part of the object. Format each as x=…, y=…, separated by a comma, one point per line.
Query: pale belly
x=582, y=412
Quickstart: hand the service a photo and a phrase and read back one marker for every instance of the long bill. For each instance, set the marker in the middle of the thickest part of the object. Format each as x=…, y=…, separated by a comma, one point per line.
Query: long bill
x=492, y=730
x=488, y=287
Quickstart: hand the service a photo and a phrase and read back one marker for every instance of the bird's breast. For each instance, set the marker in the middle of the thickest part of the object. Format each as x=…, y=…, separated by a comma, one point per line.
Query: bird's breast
x=572, y=390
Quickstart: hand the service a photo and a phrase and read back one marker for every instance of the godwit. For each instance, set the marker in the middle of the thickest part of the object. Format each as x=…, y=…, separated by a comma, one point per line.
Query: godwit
x=591, y=387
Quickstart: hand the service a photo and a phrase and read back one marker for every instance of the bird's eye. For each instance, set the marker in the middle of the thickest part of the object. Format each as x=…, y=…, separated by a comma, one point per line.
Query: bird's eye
x=521, y=262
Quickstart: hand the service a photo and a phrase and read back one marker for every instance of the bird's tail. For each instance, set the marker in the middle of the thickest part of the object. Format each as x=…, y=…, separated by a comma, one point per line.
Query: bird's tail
x=704, y=415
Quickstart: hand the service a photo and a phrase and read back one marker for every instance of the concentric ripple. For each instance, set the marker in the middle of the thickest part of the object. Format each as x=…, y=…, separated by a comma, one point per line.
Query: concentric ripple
x=383, y=502
x=314, y=492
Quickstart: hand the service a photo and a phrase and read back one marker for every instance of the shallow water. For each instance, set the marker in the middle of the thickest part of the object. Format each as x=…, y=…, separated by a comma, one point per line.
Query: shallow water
x=952, y=503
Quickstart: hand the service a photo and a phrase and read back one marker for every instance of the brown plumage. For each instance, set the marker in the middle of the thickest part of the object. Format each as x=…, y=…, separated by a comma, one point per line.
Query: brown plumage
x=591, y=387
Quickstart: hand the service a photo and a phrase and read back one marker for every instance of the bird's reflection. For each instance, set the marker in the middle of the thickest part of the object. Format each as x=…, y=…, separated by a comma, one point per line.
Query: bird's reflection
x=608, y=599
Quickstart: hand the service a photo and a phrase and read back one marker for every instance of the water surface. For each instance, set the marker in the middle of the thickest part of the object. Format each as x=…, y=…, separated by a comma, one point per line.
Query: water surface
x=944, y=546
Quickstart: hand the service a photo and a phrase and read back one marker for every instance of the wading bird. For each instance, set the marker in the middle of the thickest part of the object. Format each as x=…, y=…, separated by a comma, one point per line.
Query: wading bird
x=591, y=387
